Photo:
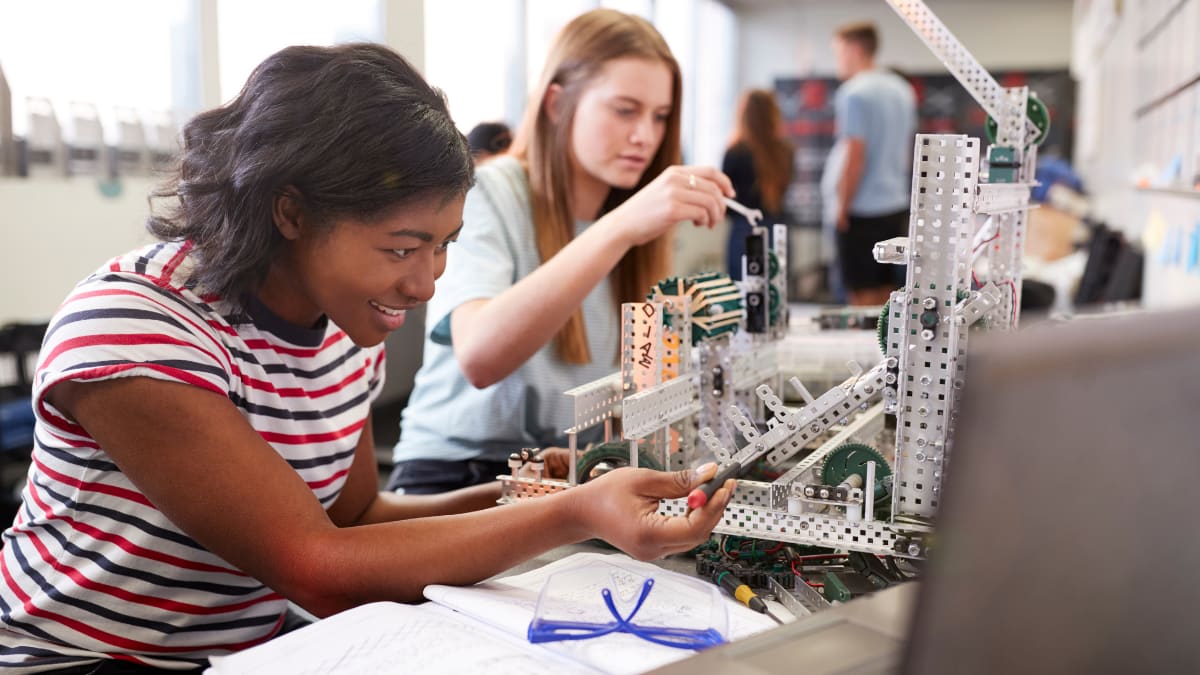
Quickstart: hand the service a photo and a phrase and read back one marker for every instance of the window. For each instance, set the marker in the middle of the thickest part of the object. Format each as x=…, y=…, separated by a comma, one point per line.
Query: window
x=474, y=53
x=93, y=55
x=249, y=32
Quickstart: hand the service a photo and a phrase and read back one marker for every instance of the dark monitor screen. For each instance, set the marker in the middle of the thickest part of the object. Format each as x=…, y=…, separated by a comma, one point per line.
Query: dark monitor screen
x=1068, y=540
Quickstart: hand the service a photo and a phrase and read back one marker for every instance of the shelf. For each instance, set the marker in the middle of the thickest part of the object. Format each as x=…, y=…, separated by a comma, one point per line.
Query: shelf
x=1176, y=191
x=1140, y=112
x=1160, y=24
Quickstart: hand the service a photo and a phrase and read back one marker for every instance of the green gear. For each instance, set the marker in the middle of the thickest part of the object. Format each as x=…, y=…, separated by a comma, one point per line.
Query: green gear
x=615, y=455
x=1038, y=114
x=881, y=326
x=685, y=286
x=851, y=458
x=772, y=265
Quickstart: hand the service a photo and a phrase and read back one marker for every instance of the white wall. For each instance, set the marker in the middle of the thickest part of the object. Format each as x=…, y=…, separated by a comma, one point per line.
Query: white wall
x=55, y=232
x=787, y=38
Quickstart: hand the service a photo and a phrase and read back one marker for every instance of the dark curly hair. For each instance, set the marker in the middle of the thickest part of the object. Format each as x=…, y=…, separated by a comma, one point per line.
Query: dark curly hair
x=351, y=130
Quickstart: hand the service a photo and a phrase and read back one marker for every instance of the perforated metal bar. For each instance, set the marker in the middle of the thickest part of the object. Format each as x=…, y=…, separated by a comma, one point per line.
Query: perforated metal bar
x=922, y=329
x=1003, y=259
x=659, y=406
x=814, y=419
x=962, y=65
x=756, y=520
x=752, y=367
x=864, y=427
x=1001, y=197
x=595, y=402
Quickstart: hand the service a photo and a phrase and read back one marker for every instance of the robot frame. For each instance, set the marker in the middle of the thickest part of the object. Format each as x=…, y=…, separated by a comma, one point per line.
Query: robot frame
x=963, y=258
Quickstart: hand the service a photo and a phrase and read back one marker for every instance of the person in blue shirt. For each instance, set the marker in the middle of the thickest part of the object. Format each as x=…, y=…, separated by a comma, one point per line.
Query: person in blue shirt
x=876, y=122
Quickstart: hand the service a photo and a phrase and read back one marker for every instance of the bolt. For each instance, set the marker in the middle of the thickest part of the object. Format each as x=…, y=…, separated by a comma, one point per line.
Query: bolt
x=926, y=334
x=914, y=549
x=890, y=378
x=824, y=493
x=892, y=362
x=804, y=524
x=921, y=442
x=920, y=457
x=923, y=411
x=929, y=303
x=926, y=380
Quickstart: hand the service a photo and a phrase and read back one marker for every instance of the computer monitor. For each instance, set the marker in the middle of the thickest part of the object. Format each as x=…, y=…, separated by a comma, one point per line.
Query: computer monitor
x=1067, y=540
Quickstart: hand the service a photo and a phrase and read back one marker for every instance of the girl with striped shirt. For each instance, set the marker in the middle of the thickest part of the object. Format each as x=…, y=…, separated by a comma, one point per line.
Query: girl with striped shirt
x=203, y=447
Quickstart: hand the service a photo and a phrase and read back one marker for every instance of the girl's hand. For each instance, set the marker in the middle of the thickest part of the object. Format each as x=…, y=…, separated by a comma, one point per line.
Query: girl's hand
x=680, y=193
x=621, y=507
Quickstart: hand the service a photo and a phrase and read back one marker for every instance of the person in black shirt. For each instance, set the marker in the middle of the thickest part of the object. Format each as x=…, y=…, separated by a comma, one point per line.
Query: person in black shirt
x=759, y=163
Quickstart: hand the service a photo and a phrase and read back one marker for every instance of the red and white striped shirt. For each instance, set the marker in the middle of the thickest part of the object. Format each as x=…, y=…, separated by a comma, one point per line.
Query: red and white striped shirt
x=90, y=569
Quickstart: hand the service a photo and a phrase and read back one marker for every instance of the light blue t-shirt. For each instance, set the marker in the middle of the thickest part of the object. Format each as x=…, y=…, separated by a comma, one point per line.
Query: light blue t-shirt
x=880, y=108
x=449, y=419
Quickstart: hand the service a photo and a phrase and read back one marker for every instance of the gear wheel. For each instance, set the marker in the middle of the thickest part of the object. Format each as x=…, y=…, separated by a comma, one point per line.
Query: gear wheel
x=881, y=326
x=716, y=303
x=608, y=456
x=849, y=459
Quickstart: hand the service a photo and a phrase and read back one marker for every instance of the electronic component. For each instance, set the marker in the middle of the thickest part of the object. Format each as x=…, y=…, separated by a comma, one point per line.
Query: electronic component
x=743, y=593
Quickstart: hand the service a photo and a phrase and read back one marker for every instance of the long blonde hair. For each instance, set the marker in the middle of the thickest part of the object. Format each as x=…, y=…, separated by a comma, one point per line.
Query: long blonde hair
x=759, y=126
x=578, y=54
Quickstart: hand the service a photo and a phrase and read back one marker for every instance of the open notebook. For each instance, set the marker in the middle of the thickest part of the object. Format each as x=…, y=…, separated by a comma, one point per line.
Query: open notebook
x=478, y=628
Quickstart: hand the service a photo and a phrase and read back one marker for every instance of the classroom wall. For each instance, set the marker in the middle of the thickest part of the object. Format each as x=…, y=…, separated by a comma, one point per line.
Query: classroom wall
x=55, y=232
x=788, y=38
x=1138, y=147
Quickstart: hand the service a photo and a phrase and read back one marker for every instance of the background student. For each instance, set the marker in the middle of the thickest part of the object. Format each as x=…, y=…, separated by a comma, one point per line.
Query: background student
x=759, y=162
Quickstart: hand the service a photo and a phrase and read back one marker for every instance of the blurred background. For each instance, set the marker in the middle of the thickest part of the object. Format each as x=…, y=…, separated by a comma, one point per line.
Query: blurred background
x=92, y=95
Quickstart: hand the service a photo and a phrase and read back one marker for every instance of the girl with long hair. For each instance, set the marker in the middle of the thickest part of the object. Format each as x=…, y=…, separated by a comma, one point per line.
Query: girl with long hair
x=759, y=161
x=576, y=220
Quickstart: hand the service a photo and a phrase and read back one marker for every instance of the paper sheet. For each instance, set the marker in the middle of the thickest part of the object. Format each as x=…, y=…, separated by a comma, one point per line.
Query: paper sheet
x=508, y=605
x=388, y=637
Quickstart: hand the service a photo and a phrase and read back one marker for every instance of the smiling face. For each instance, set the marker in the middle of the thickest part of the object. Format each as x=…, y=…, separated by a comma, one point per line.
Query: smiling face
x=363, y=275
x=620, y=121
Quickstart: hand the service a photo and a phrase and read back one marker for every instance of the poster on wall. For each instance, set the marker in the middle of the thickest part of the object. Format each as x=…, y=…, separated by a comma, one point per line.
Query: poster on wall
x=943, y=107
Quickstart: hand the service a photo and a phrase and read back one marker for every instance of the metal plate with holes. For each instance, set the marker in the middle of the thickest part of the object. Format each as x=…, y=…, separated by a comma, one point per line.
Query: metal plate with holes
x=790, y=438
x=641, y=345
x=803, y=601
x=595, y=402
x=864, y=428
x=752, y=520
x=663, y=404
x=930, y=345
x=962, y=65
x=994, y=198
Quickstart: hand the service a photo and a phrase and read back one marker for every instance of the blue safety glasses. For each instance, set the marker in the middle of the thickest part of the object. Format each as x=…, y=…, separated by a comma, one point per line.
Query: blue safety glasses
x=550, y=630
